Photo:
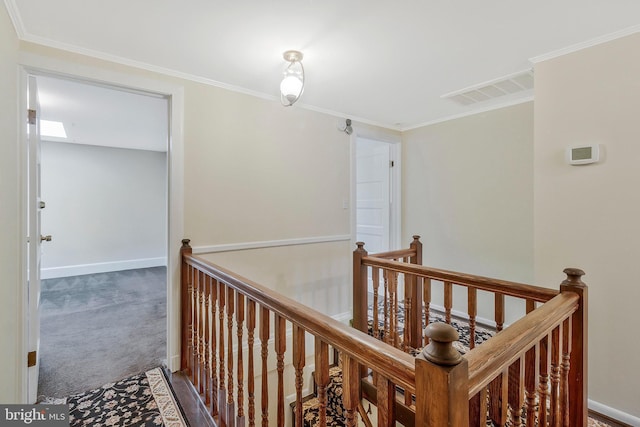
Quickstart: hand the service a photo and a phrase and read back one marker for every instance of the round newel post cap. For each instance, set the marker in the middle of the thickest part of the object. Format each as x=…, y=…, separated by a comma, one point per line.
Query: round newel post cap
x=574, y=277
x=185, y=242
x=416, y=237
x=440, y=349
x=360, y=245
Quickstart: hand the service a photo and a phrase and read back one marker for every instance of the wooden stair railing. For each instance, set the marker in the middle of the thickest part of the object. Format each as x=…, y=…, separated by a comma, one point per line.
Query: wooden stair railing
x=532, y=371
x=538, y=364
x=224, y=365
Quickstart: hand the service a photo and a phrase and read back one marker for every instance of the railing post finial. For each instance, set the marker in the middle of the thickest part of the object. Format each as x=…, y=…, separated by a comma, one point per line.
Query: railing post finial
x=360, y=246
x=185, y=243
x=440, y=349
x=574, y=277
x=416, y=237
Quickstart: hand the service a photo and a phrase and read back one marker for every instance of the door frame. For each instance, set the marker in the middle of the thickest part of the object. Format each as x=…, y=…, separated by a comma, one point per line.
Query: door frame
x=44, y=66
x=395, y=181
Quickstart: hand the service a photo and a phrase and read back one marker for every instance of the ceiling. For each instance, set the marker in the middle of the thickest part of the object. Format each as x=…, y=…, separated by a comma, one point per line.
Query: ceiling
x=380, y=62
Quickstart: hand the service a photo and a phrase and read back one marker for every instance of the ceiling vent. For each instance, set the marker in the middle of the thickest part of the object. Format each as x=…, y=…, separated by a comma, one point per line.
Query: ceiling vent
x=521, y=81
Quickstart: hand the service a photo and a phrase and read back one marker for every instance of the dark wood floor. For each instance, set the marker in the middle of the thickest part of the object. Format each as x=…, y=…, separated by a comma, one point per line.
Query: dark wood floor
x=194, y=409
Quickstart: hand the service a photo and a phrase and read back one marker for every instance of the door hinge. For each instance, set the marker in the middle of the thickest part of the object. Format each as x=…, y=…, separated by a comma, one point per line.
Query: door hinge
x=32, y=117
x=392, y=164
x=31, y=359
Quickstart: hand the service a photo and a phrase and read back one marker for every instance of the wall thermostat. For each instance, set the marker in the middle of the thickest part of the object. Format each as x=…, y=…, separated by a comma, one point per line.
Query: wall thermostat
x=583, y=155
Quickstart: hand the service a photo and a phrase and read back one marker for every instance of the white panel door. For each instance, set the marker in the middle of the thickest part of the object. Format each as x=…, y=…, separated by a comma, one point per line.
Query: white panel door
x=35, y=206
x=373, y=163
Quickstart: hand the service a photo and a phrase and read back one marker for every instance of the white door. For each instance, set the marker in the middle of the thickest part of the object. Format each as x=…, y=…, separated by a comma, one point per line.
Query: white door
x=373, y=200
x=34, y=239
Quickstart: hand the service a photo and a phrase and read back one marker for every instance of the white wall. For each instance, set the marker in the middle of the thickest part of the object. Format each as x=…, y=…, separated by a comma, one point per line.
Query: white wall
x=10, y=224
x=587, y=216
x=106, y=208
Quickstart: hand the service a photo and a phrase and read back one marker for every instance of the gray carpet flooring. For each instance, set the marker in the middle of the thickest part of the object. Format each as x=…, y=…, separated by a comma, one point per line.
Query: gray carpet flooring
x=100, y=328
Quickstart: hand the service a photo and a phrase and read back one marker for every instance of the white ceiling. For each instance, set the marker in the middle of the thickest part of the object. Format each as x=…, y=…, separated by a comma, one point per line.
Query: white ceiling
x=376, y=61
x=104, y=116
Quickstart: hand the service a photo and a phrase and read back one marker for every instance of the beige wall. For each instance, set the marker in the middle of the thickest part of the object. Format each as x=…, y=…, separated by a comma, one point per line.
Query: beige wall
x=256, y=171
x=587, y=216
x=10, y=337
x=468, y=191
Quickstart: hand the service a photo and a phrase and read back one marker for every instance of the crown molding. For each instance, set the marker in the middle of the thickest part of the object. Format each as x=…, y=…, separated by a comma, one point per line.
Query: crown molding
x=586, y=44
x=12, y=10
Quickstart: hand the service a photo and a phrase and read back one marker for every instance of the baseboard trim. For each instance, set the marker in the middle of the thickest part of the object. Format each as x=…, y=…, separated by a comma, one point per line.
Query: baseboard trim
x=269, y=244
x=101, y=267
x=613, y=413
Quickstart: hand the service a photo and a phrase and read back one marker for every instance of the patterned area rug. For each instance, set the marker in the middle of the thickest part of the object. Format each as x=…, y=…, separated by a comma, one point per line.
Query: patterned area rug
x=145, y=399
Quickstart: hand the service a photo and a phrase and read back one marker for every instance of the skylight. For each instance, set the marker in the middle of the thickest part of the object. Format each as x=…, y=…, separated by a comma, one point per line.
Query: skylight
x=51, y=128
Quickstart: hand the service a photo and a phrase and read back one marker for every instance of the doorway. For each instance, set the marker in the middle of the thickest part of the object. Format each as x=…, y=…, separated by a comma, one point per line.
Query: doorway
x=76, y=156
x=376, y=183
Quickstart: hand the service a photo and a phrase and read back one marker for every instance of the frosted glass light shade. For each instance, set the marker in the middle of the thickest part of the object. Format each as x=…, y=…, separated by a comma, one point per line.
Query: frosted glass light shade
x=291, y=87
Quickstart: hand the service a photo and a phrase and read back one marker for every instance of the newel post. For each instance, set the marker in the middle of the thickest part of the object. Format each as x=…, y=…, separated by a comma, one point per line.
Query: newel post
x=413, y=293
x=185, y=304
x=441, y=371
x=578, y=366
x=360, y=296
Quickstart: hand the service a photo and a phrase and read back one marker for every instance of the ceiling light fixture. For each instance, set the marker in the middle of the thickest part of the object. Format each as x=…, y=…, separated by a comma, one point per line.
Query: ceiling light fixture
x=292, y=83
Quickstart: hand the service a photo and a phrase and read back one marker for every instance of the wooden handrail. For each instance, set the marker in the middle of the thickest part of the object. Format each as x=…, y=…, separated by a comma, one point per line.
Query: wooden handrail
x=520, y=290
x=397, y=254
x=390, y=362
x=486, y=362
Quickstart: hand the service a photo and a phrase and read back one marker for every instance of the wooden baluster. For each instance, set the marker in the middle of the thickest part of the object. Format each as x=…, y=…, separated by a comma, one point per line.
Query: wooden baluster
x=530, y=305
x=394, y=307
x=321, y=375
x=202, y=354
x=214, y=348
x=516, y=391
x=386, y=397
x=192, y=307
x=448, y=301
x=251, y=325
x=196, y=330
x=498, y=398
x=408, y=320
x=564, y=372
x=543, y=382
x=280, y=344
x=555, y=376
x=387, y=308
x=530, y=374
x=264, y=353
x=207, y=341
x=426, y=299
x=230, y=385
x=472, y=310
x=185, y=292
x=222, y=401
x=240, y=370
x=499, y=311
x=375, y=328
x=351, y=390
x=298, y=365
x=476, y=409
